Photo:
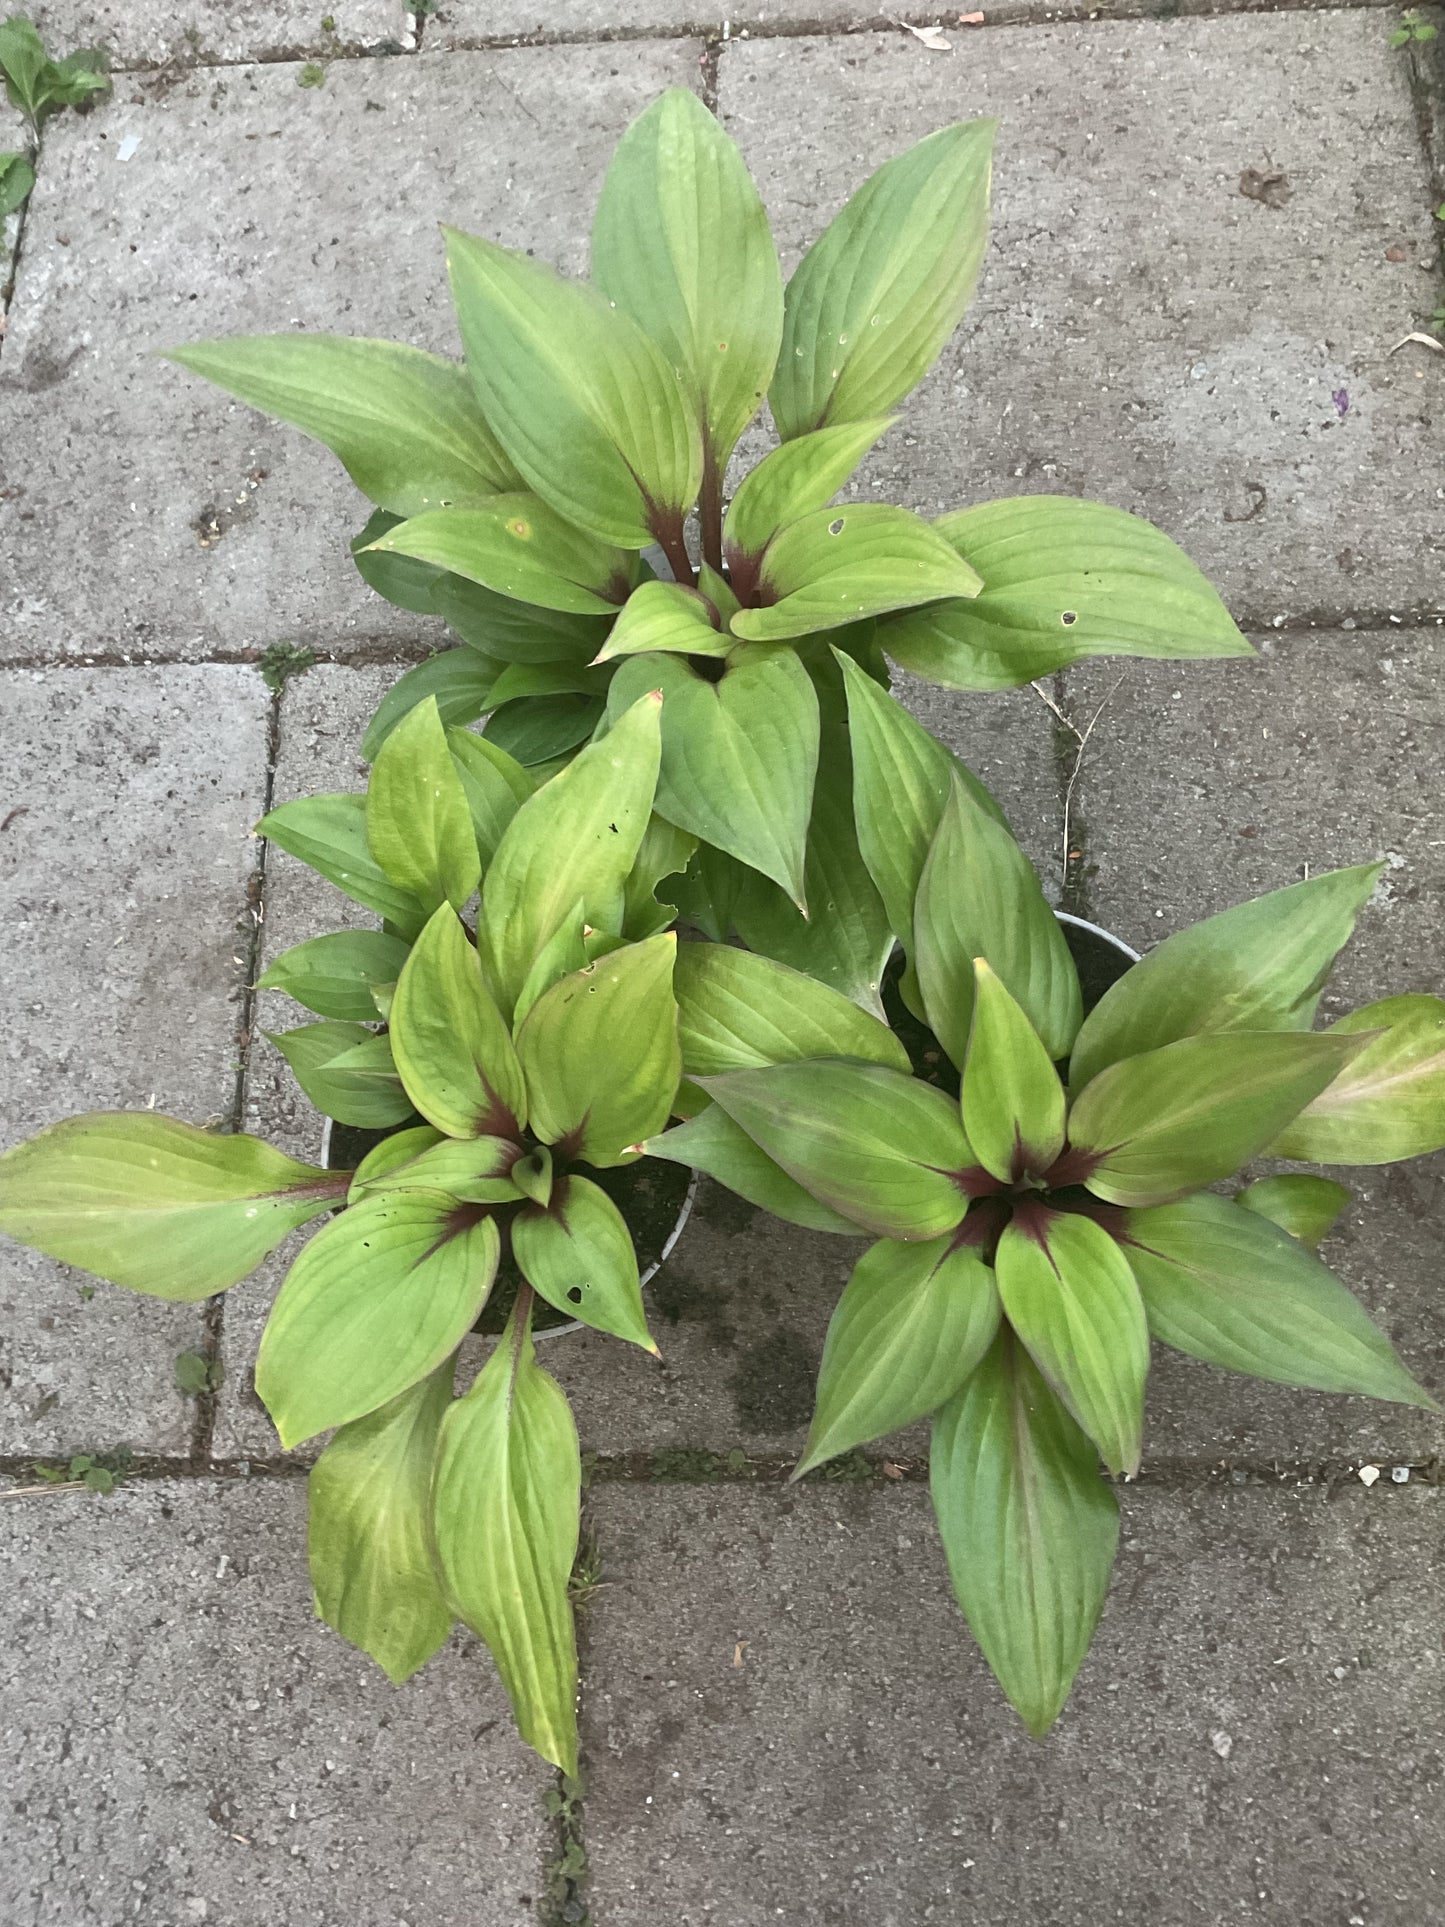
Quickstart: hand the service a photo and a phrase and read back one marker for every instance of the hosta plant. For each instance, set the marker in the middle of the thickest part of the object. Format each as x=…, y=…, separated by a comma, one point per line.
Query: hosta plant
x=593, y=425
x=1043, y=1213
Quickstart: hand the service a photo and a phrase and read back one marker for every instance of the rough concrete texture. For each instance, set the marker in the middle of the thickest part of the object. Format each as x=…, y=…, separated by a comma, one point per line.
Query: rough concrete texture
x=172, y=516
x=780, y=1686
x=150, y=33
x=126, y=799
x=1143, y=331
x=185, y=1743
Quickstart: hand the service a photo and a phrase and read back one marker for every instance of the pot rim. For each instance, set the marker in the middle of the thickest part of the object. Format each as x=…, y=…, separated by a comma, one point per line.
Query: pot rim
x=1098, y=930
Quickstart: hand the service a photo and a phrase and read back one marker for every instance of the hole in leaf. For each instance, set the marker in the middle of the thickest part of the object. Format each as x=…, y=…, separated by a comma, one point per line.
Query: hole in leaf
x=836, y=528
x=1069, y=618
x=574, y=1296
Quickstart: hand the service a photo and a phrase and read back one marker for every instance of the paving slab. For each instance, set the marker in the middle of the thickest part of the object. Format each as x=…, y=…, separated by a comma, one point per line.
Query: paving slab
x=1206, y=784
x=1144, y=332
x=186, y=1743
x=127, y=798
x=151, y=33
x=784, y=1719
x=141, y=510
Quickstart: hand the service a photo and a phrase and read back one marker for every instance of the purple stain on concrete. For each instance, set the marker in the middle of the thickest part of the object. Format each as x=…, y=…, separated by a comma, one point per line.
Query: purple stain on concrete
x=1341, y=399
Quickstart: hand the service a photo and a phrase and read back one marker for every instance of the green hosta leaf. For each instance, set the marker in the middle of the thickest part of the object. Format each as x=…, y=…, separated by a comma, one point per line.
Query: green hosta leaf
x=347, y=1071
x=506, y=1509
x=405, y=424
x=452, y=1048
x=564, y=952
x=707, y=893
x=737, y=1011
x=328, y=833
x=792, y=481
x=578, y=1253
x=155, y=1204
x=665, y=616
x=1259, y=966
x=398, y=579
x=711, y=1142
x=1013, y=1102
x=541, y=730
x=517, y=546
x=738, y=755
x=1062, y=580
x=600, y=1053
x=1303, y=1206
x=902, y=781
x=1029, y=1527
x=471, y=1170
x=577, y=838
x=1389, y=1101
x=842, y=564
x=459, y=681
x=368, y=1506
x=1227, y=1286
x=1069, y=1294
x=334, y=975
x=585, y=404
x=665, y=852
x=494, y=784
x=377, y=1300
x=979, y=896
x=846, y=941
x=513, y=631
x=550, y=679
x=913, y=1322
x=390, y=1155
x=877, y=295
x=1179, y=1118
x=871, y=1144
x=418, y=822
x=17, y=177
x=681, y=243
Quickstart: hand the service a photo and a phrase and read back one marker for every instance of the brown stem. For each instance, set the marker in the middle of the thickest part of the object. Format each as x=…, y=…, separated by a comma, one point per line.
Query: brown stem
x=674, y=547
x=709, y=512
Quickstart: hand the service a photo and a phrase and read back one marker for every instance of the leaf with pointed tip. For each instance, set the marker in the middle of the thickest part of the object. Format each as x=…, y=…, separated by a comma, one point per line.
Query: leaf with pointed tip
x=1069, y=1294
x=368, y=1500
x=405, y=424
x=398, y=579
x=154, y=1204
x=578, y=837
x=883, y=287
x=1227, y=1286
x=1305, y=1207
x=460, y=681
x=913, y=1322
x=1389, y=1101
x=506, y=1511
x=452, y=1047
x=902, y=781
x=979, y=896
x=668, y=617
x=1258, y=966
x=875, y=1146
x=509, y=631
x=738, y=755
x=839, y=565
x=711, y=1142
x=376, y=1301
x=334, y=975
x=600, y=1053
x=1029, y=1529
x=328, y=833
x=471, y=1170
x=392, y=1152
x=681, y=243
x=587, y=407
x=578, y=1253
x=737, y=1011
x=518, y=546
x=418, y=824
x=792, y=481
x=1013, y=1102
x=494, y=784
x=347, y=1072
x=564, y=952
x=1186, y=1115
x=1062, y=580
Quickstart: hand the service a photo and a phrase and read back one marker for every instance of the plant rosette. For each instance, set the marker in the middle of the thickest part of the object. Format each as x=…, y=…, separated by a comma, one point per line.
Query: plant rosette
x=1036, y=1230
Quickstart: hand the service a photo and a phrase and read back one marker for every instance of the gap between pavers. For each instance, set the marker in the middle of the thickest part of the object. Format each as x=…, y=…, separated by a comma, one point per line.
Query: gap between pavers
x=1144, y=332
x=186, y=1743
x=126, y=803
x=141, y=510
x=784, y=1718
x=153, y=33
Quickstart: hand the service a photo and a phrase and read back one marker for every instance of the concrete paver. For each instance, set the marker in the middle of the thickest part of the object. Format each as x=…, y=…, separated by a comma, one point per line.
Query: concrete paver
x=148, y=33
x=1143, y=331
x=186, y=1743
x=127, y=799
x=784, y=1718
x=252, y=204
